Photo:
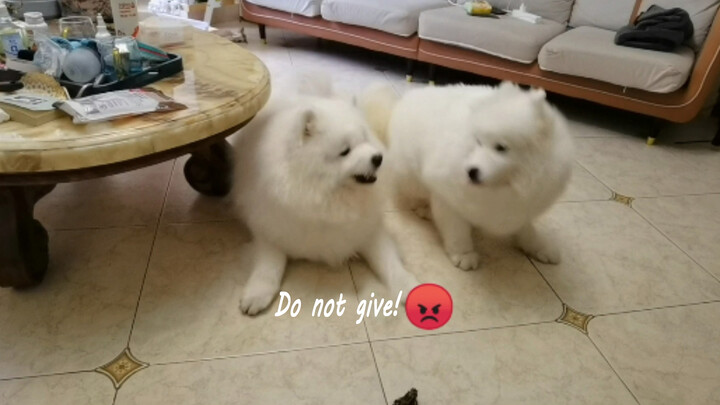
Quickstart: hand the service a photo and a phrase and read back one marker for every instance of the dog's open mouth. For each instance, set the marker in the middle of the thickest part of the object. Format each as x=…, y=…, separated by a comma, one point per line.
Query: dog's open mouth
x=365, y=178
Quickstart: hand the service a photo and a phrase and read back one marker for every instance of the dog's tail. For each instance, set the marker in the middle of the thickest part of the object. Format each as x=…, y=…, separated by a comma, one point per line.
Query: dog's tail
x=377, y=103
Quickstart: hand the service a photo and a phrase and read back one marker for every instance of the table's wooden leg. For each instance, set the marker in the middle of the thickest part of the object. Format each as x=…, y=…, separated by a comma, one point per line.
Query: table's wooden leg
x=23, y=240
x=209, y=169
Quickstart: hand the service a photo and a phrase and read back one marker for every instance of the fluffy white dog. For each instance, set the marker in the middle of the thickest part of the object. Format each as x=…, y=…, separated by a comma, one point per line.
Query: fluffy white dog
x=494, y=158
x=304, y=183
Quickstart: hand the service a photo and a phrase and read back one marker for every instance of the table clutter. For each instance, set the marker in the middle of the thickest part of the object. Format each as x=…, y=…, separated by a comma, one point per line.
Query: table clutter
x=43, y=74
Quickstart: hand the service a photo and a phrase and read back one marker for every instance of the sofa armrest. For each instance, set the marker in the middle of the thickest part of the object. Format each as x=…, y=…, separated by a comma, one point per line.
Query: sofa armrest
x=706, y=71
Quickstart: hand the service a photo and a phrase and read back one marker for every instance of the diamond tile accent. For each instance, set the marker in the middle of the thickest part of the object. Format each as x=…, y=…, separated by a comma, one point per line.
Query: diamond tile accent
x=622, y=199
x=576, y=319
x=122, y=367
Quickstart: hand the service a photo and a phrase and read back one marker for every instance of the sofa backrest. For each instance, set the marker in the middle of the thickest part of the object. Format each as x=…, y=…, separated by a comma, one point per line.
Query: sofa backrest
x=556, y=10
x=702, y=13
x=607, y=14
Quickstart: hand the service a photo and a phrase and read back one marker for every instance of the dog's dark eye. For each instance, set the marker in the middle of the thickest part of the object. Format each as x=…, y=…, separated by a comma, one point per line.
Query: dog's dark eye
x=345, y=152
x=501, y=148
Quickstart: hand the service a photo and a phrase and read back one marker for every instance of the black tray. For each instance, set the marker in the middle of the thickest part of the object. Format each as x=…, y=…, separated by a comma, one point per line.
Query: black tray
x=150, y=75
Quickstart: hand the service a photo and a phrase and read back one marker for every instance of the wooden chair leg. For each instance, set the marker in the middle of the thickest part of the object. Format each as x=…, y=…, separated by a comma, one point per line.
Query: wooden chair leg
x=654, y=130
x=431, y=74
x=263, y=35
x=409, y=69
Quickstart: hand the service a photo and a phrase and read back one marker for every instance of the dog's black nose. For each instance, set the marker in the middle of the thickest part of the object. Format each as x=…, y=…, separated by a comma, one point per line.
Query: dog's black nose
x=474, y=174
x=376, y=160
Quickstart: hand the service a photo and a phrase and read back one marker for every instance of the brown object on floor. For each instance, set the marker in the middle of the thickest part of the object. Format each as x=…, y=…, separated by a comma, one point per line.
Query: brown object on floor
x=408, y=399
x=680, y=106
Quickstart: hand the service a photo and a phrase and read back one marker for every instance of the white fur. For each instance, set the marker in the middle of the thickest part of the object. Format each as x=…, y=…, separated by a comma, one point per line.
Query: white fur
x=438, y=134
x=300, y=198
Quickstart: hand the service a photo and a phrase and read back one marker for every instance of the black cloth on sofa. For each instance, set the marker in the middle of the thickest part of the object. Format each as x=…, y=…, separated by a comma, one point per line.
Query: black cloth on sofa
x=658, y=29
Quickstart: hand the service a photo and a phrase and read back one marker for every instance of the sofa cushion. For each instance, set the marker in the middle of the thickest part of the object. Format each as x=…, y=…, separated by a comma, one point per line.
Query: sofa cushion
x=506, y=37
x=702, y=13
x=399, y=17
x=610, y=15
x=556, y=10
x=591, y=52
x=308, y=8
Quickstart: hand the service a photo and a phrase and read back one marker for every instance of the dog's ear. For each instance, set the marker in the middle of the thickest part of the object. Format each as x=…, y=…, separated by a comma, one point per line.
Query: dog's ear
x=538, y=99
x=507, y=85
x=538, y=95
x=308, y=123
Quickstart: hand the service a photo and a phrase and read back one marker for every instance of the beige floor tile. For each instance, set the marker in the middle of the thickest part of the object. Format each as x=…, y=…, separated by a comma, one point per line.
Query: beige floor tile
x=505, y=290
x=536, y=364
x=80, y=317
x=184, y=204
x=666, y=356
x=614, y=261
x=189, y=308
x=132, y=198
x=630, y=167
x=584, y=186
x=692, y=222
x=68, y=389
x=333, y=375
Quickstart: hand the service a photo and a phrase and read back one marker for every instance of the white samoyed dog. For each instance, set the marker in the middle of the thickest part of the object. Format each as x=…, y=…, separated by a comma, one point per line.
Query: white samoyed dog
x=305, y=184
x=494, y=158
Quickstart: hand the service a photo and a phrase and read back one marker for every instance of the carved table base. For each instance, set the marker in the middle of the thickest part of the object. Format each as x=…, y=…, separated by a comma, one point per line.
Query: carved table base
x=23, y=240
x=209, y=169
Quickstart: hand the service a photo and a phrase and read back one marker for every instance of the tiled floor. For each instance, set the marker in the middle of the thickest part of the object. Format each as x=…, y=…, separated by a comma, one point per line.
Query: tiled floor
x=146, y=270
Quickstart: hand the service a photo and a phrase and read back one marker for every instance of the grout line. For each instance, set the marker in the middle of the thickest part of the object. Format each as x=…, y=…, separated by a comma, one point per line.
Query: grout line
x=583, y=201
x=613, y=369
x=610, y=189
x=115, y=397
x=335, y=345
x=258, y=354
x=377, y=369
x=100, y=228
x=150, y=253
x=464, y=331
x=537, y=269
x=204, y=221
x=677, y=195
x=61, y=373
x=633, y=311
x=675, y=244
x=367, y=335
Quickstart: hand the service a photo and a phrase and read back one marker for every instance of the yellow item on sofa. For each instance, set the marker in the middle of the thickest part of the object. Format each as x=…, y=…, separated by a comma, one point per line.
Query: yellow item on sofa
x=478, y=8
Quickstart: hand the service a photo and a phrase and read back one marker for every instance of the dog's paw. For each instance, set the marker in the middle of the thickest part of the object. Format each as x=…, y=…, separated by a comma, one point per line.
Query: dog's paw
x=465, y=261
x=406, y=285
x=547, y=254
x=252, y=303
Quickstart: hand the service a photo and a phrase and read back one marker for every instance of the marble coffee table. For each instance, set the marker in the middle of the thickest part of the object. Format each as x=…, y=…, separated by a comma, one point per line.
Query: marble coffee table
x=223, y=85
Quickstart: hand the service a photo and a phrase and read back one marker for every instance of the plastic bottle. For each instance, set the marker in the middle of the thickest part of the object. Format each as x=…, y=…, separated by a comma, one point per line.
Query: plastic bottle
x=34, y=24
x=125, y=17
x=10, y=34
x=105, y=44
